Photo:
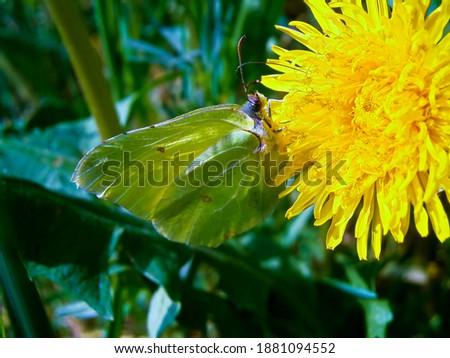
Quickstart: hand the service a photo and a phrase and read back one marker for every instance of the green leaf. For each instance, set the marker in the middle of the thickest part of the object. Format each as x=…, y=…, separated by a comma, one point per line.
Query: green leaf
x=360, y=292
x=77, y=309
x=158, y=260
x=200, y=310
x=378, y=313
x=143, y=51
x=48, y=157
x=246, y=285
x=162, y=312
x=61, y=242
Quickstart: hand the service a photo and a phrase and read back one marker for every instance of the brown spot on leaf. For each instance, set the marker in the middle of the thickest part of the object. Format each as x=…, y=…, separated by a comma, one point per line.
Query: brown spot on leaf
x=160, y=149
x=206, y=198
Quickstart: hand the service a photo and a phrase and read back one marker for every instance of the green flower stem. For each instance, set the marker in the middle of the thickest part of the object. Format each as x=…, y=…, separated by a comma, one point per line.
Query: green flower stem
x=87, y=65
x=22, y=301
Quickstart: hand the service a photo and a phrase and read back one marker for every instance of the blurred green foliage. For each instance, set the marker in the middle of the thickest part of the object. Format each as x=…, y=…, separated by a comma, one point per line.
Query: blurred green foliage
x=100, y=271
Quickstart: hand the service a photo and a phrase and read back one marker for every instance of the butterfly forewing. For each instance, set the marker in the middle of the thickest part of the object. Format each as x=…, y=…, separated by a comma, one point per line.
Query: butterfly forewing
x=135, y=167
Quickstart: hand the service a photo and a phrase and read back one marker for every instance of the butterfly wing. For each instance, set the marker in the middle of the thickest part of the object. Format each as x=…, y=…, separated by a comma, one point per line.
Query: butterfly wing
x=198, y=177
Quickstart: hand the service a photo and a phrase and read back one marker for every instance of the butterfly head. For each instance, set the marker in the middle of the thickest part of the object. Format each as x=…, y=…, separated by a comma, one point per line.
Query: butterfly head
x=257, y=102
x=257, y=107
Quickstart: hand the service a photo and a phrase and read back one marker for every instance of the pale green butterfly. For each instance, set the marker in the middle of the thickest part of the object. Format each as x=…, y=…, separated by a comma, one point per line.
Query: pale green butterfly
x=201, y=178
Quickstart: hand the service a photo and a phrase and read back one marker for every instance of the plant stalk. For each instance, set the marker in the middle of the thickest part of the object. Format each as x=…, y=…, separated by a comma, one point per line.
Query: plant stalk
x=87, y=65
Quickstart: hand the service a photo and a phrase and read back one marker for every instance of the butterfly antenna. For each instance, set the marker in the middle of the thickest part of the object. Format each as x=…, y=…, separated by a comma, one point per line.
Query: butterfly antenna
x=239, y=46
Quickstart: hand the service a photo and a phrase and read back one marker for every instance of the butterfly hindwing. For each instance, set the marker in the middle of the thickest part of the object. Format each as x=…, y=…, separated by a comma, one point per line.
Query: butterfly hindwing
x=228, y=192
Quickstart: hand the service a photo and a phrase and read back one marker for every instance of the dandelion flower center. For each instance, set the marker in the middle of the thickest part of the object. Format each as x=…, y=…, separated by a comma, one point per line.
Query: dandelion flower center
x=368, y=101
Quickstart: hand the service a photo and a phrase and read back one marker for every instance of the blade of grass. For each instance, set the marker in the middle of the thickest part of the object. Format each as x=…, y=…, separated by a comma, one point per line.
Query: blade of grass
x=87, y=65
x=107, y=28
x=21, y=85
x=2, y=325
x=24, y=306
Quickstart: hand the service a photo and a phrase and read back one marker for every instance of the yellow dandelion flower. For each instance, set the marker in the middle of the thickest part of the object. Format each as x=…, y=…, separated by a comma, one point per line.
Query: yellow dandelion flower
x=368, y=104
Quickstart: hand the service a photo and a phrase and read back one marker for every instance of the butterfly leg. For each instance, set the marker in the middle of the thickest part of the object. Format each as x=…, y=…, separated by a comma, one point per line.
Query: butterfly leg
x=262, y=145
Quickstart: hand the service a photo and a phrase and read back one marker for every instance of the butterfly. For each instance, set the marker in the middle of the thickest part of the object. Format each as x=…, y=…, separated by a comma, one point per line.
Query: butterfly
x=201, y=177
